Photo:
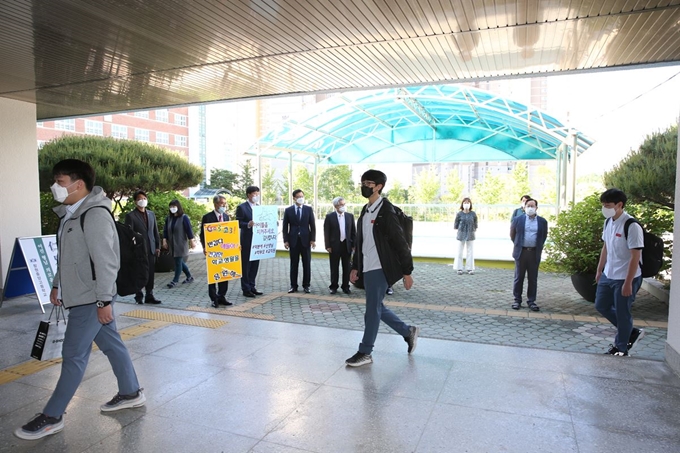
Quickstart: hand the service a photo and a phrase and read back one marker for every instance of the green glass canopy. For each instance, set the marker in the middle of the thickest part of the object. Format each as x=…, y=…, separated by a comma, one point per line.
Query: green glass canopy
x=425, y=124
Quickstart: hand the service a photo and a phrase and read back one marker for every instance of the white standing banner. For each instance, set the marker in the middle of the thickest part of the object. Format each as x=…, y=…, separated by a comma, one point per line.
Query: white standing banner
x=265, y=230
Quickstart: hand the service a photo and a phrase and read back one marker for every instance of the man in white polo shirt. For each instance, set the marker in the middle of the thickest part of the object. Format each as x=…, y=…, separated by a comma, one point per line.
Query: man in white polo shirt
x=618, y=273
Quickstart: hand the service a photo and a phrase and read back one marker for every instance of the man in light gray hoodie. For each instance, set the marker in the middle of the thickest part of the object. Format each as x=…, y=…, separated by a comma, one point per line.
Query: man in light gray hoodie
x=85, y=284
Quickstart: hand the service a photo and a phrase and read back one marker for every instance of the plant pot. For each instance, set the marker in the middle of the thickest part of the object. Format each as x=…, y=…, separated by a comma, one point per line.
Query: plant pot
x=165, y=262
x=585, y=285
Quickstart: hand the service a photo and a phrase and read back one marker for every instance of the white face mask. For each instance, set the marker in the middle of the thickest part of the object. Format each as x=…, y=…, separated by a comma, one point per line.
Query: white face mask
x=531, y=211
x=342, y=209
x=142, y=203
x=221, y=209
x=60, y=193
x=173, y=209
x=256, y=199
x=300, y=200
x=608, y=212
x=466, y=205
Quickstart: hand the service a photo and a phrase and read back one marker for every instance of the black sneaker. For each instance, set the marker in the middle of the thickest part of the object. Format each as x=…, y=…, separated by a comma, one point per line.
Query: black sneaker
x=389, y=291
x=412, y=338
x=359, y=359
x=635, y=336
x=124, y=402
x=613, y=350
x=39, y=427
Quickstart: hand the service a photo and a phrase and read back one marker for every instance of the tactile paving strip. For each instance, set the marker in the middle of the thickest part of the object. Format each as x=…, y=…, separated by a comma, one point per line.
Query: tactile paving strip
x=176, y=319
x=240, y=314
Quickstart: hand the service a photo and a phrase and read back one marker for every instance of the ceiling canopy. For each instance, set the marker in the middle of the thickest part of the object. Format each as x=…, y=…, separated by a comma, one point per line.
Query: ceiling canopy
x=441, y=123
x=79, y=57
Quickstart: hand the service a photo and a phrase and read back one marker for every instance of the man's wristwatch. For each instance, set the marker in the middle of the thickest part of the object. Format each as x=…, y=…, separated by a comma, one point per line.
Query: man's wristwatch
x=102, y=303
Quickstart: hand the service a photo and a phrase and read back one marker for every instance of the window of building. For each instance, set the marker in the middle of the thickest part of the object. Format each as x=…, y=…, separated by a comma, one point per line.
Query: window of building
x=162, y=115
x=40, y=124
x=180, y=119
x=108, y=118
x=94, y=127
x=142, y=135
x=142, y=114
x=118, y=131
x=181, y=140
x=163, y=138
x=41, y=143
x=65, y=125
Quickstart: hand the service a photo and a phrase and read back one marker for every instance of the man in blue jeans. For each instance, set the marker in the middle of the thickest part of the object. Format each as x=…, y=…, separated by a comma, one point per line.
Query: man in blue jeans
x=383, y=256
x=84, y=253
x=618, y=273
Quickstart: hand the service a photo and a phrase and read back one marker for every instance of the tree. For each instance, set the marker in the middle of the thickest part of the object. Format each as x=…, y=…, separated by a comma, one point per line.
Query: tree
x=303, y=180
x=121, y=166
x=397, y=193
x=648, y=174
x=546, y=184
x=492, y=189
x=222, y=179
x=426, y=186
x=454, y=188
x=335, y=181
x=244, y=179
x=520, y=181
x=272, y=188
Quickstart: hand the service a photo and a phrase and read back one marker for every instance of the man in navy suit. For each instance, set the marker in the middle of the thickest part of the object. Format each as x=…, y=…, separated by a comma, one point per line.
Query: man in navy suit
x=299, y=236
x=143, y=222
x=529, y=232
x=216, y=291
x=244, y=215
x=339, y=234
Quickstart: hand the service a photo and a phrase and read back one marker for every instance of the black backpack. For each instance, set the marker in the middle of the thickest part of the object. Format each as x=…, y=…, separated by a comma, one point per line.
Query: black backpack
x=406, y=222
x=133, y=273
x=652, y=253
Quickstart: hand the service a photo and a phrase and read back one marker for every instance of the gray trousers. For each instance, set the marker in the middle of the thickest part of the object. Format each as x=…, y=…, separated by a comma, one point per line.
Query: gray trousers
x=82, y=328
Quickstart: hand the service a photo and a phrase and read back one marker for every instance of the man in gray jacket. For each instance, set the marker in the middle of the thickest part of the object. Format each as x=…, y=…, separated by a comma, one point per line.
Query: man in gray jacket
x=85, y=284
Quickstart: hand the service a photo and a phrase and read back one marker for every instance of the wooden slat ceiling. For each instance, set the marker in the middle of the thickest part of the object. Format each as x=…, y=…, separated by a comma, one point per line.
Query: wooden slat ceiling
x=79, y=57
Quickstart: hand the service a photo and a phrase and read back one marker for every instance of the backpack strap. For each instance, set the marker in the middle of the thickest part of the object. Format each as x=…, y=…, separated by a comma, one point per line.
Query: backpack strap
x=82, y=227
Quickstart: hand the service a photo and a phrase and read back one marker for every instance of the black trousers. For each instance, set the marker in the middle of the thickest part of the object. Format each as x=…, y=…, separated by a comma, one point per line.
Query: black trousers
x=295, y=253
x=249, y=270
x=151, y=280
x=335, y=258
x=526, y=264
x=216, y=290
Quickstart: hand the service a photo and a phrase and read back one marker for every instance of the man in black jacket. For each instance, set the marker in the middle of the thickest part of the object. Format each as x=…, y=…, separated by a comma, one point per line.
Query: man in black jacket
x=383, y=257
x=216, y=291
x=339, y=233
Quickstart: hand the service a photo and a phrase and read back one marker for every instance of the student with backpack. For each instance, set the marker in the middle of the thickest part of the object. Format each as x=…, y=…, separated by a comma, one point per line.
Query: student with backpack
x=619, y=275
x=82, y=250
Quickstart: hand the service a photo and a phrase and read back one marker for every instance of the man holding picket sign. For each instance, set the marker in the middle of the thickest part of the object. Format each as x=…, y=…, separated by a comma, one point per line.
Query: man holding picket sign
x=85, y=284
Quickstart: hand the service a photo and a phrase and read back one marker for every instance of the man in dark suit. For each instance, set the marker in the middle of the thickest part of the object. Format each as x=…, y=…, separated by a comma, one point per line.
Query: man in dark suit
x=529, y=232
x=244, y=215
x=143, y=222
x=216, y=291
x=299, y=236
x=339, y=235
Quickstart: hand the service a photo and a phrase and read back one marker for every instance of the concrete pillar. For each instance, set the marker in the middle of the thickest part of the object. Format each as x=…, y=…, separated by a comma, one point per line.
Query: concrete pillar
x=19, y=192
x=673, y=342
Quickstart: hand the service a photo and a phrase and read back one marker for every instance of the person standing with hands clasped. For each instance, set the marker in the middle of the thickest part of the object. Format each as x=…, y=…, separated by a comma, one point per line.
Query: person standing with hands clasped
x=299, y=236
x=619, y=276
x=82, y=254
x=383, y=256
x=216, y=291
x=465, y=225
x=244, y=215
x=176, y=232
x=339, y=233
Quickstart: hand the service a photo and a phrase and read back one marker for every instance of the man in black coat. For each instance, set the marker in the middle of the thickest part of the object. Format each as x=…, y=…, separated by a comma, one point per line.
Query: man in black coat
x=143, y=222
x=383, y=257
x=339, y=236
x=216, y=291
x=244, y=215
x=299, y=236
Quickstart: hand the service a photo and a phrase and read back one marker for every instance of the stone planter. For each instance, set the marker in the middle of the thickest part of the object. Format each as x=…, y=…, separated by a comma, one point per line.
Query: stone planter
x=585, y=285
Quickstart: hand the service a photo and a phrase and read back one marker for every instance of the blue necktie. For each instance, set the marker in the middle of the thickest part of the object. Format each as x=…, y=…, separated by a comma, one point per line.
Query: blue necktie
x=299, y=213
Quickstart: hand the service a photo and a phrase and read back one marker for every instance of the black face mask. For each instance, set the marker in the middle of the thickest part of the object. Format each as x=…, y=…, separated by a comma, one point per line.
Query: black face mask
x=366, y=191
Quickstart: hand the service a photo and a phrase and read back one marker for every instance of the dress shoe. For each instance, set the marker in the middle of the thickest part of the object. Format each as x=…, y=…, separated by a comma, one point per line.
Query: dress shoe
x=333, y=291
x=347, y=291
x=214, y=304
x=292, y=290
x=223, y=301
x=139, y=300
x=248, y=294
x=307, y=291
x=257, y=293
x=389, y=291
x=151, y=300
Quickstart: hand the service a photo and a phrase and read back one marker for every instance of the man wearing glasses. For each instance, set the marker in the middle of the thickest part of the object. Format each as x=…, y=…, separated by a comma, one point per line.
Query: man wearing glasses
x=383, y=257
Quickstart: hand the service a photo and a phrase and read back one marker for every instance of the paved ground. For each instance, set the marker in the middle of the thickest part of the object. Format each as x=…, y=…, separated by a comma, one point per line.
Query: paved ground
x=472, y=308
